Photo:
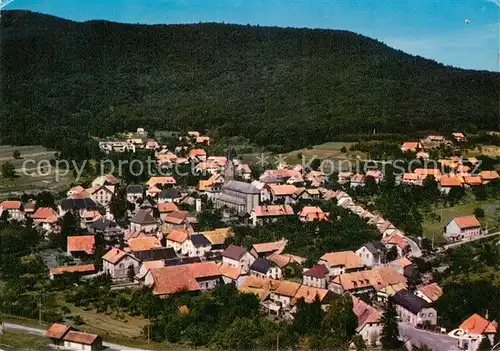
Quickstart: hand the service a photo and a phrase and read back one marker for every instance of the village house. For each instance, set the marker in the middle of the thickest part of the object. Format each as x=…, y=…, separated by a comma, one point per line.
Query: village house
x=196, y=245
x=166, y=208
x=203, y=140
x=177, y=220
x=316, y=276
x=459, y=137
x=462, y=228
x=116, y=263
x=426, y=172
x=430, y=292
x=231, y=274
x=14, y=209
x=269, y=213
x=243, y=171
x=102, y=194
x=77, y=206
x=46, y=217
x=377, y=175
x=151, y=144
x=446, y=183
x=403, y=266
x=169, y=195
x=198, y=154
x=264, y=268
x=411, y=178
x=106, y=179
x=78, y=270
x=163, y=182
x=217, y=238
x=369, y=321
x=306, y=194
x=341, y=262
x=284, y=294
x=309, y=294
x=134, y=193
x=268, y=249
x=193, y=133
x=344, y=177
x=237, y=256
x=143, y=222
x=414, y=310
x=183, y=278
x=412, y=146
x=281, y=193
x=142, y=243
x=312, y=213
x=367, y=281
x=488, y=176
x=372, y=254
x=398, y=241
x=473, y=330
x=80, y=246
x=63, y=336
x=357, y=180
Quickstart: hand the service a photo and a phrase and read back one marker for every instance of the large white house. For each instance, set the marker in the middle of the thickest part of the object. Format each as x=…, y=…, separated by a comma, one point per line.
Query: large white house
x=463, y=228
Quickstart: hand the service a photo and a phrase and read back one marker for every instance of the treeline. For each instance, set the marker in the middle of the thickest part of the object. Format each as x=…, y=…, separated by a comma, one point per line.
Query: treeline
x=287, y=87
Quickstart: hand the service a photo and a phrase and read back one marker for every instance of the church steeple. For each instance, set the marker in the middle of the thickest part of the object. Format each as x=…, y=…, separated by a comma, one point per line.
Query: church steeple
x=229, y=167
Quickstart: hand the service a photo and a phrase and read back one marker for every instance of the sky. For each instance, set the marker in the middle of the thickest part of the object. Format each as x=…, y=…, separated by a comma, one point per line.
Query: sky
x=435, y=29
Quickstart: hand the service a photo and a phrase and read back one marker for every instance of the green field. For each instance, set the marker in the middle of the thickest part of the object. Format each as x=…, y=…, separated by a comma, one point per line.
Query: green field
x=435, y=228
x=18, y=340
x=330, y=151
x=31, y=182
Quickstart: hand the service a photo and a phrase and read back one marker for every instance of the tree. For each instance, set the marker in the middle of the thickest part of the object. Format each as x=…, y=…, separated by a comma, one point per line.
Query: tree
x=392, y=254
x=315, y=164
x=343, y=149
x=16, y=154
x=8, y=170
x=390, y=330
x=479, y=212
x=309, y=316
x=485, y=344
x=70, y=225
x=45, y=199
x=4, y=217
x=359, y=343
x=119, y=204
x=340, y=321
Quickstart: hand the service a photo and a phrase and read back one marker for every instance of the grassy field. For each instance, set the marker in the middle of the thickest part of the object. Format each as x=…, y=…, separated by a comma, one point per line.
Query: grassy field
x=330, y=151
x=31, y=182
x=491, y=218
x=488, y=150
x=18, y=340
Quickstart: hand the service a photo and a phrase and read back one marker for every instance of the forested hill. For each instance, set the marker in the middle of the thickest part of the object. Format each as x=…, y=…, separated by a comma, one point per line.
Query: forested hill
x=290, y=87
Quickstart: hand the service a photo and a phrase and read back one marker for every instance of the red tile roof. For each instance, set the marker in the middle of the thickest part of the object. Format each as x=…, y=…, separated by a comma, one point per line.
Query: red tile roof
x=432, y=291
x=144, y=243
x=349, y=259
x=57, y=331
x=309, y=293
x=365, y=313
x=171, y=280
x=197, y=152
x=489, y=175
x=476, y=324
x=395, y=239
x=376, y=278
x=309, y=209
x=467, y=222
x=318, y=271
x=428, y=171
x=81, y=243
x=273, y=210
x=11, y=205
x=114, y=255
x=166, y=207
x=287, y=288
x=81, y=338
x=161, y=180
x=44, y=213
x=450, y=181
x=179, y=236
x=283, y=189
x=473, y=180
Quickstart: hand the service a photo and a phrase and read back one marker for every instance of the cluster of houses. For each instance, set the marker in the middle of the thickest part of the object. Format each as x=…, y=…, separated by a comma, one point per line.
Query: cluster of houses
x=163, y=248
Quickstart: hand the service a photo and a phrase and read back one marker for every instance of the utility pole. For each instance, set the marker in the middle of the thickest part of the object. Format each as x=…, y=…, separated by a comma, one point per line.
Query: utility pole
x=149, y=325
x=278, y=341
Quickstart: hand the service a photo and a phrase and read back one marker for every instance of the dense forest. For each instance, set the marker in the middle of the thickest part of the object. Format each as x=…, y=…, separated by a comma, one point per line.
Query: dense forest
x=63, y=81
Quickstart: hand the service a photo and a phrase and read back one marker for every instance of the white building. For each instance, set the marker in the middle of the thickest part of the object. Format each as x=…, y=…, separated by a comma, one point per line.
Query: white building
x=463, y=228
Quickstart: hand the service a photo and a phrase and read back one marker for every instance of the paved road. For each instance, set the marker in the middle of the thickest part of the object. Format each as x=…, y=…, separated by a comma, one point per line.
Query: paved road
x=450, y=246
x=435, y=341
x=39, y=331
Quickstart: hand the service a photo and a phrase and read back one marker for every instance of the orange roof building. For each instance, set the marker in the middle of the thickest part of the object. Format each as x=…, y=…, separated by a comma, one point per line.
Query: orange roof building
x=272, y=211
x=489, y=175
x=144, y=243
x=341, y=262
x=282, y=189
x=82, y=269
x=11, y=205
x=81, y=243
x=478, y=325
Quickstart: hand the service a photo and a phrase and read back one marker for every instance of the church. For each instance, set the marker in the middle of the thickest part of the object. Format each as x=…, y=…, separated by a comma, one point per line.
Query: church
x=237, y=195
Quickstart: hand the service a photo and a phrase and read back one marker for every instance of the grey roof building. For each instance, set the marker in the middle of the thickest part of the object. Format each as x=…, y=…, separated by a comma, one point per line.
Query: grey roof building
x=240, y=196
